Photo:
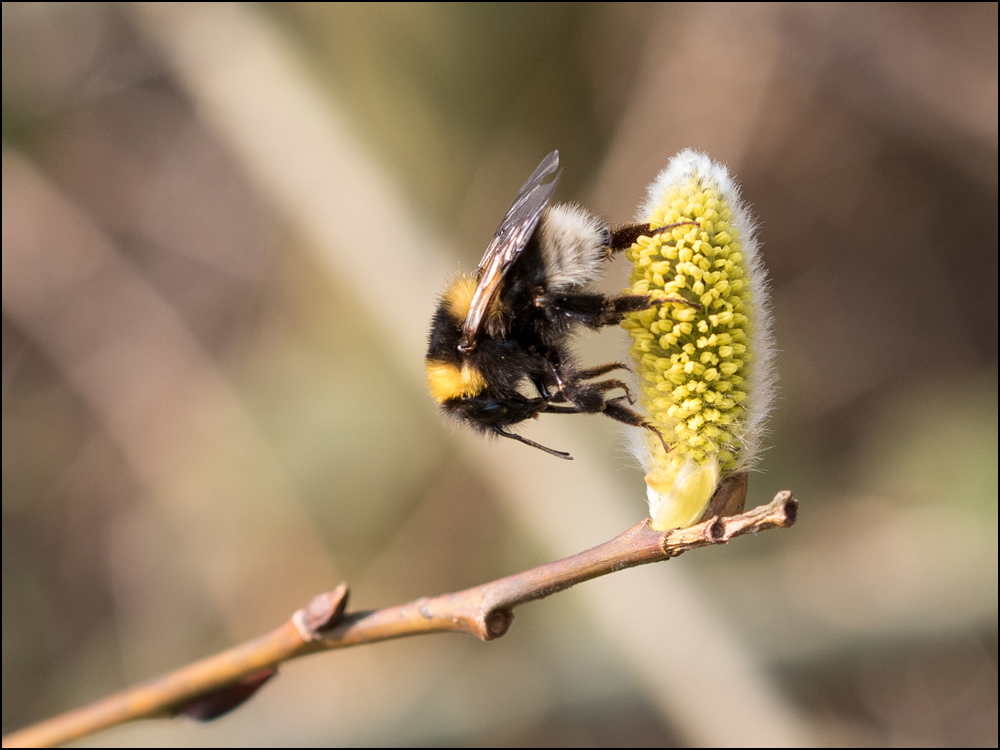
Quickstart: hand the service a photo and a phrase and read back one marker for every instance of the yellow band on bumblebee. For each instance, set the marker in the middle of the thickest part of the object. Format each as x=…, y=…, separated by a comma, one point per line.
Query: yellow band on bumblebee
x=459, y=296
x=449, y=381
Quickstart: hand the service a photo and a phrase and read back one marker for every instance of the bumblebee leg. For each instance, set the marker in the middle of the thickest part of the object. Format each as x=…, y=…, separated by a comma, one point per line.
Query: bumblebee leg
x=593, y=310
x=546, y=394
x=588, y=373
x=513, y=436
x=585, y=395
x=680, y=301
x=623, y=414
x=593, y=372
x=624, y=236
x=542, y=388
x=553, y=366
x=551, y=409
x=585, y=398
x=610, y=385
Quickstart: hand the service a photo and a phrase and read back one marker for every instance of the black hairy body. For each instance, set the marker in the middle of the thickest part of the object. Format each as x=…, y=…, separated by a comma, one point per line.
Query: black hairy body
x=499, y=348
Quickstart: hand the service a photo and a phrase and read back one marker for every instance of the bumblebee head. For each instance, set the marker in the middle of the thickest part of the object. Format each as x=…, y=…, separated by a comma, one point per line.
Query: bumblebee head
x=491, y=413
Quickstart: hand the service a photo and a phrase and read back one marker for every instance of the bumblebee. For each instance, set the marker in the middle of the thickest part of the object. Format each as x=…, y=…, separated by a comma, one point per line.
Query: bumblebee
x=499, y=349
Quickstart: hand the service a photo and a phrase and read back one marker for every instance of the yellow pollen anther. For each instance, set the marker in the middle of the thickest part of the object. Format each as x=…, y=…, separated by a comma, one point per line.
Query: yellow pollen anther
x=690, y=350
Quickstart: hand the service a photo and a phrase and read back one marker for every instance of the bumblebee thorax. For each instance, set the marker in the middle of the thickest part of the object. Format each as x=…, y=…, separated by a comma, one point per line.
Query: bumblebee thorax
x=452, y=380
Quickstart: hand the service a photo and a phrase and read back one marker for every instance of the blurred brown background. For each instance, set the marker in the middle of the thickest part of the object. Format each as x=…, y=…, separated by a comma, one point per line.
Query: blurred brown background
x=223, y=228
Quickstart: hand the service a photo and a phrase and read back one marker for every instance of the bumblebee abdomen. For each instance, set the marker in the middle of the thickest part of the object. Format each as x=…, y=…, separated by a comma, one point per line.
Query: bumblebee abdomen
x=458, y=296
x=573, y=246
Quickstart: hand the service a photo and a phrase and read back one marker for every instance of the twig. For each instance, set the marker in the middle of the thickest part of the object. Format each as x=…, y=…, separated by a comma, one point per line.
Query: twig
x=484, y=611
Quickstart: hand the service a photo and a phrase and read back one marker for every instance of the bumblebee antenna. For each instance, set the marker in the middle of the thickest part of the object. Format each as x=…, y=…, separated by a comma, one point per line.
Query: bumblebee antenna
x=532, y=443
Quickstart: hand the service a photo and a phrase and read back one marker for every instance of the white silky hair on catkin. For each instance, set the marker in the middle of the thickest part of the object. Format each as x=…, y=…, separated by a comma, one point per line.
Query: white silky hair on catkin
x=572, y=241
x=762, y=376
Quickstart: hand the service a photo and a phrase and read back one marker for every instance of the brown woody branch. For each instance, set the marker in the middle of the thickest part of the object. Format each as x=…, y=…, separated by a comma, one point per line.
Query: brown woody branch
x=219, y=683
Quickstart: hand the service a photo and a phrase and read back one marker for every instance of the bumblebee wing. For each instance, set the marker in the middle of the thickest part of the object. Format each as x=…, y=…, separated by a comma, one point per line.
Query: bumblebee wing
x=510, y=239
x=549, y=165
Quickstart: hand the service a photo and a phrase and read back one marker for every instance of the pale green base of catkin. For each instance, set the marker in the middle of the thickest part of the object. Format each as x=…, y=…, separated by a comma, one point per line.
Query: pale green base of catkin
x=678, y=497
x=693, y=351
